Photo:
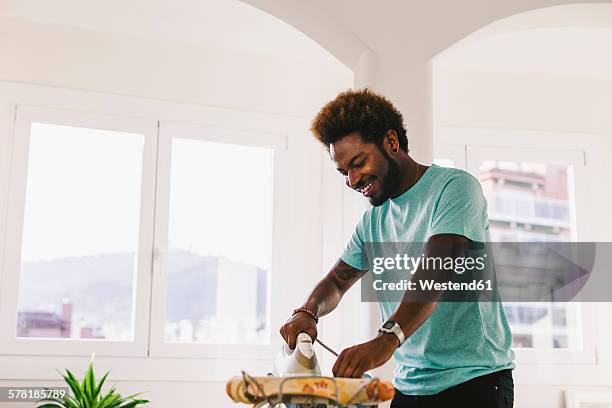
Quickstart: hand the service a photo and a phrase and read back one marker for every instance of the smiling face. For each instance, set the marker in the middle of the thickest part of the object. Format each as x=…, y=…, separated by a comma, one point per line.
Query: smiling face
x=368, y=168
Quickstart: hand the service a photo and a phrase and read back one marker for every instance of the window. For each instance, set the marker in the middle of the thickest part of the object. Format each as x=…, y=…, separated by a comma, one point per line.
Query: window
x=217, y=216
x=534, y=194
x=515, y=190
x=80, y=233
x=139, y=237
x=80, y=211
x=219, y=243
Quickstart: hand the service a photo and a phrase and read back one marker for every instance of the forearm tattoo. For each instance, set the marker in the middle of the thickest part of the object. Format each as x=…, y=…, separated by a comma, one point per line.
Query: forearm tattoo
x=347, y=272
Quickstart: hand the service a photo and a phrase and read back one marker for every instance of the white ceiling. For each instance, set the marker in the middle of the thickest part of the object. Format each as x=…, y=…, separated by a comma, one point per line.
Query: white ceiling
x=568, y=51
x=228, y=24
x=232, y=24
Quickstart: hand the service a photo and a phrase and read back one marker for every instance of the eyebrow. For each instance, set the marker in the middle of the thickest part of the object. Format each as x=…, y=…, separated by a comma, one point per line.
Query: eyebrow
x=352, y=160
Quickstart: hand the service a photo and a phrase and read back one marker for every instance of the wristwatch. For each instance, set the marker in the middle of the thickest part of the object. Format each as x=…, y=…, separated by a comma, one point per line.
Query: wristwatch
x=391, y=326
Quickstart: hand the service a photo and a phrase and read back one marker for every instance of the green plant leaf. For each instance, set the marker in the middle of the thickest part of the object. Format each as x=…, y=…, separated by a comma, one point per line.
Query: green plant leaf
x=85, y=387
x=56, y=402
x=110, y=399
x=99, y=386
x=88, y=394
x=104, y=400
x=71, y=402
x=117, y=403
x=132, y=404
x=66, y=402
x=129, y=397
x=73, y=383
x=90, y=382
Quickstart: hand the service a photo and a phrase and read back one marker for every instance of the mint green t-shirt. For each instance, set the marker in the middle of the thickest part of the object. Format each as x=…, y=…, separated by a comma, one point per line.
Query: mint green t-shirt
x=459, y=340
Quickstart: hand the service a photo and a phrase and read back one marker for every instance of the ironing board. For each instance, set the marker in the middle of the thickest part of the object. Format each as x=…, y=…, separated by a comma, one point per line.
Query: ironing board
x=308, y=391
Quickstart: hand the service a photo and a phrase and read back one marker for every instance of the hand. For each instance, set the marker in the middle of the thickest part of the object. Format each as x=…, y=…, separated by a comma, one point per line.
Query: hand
x=298, y=323
x=356, y=360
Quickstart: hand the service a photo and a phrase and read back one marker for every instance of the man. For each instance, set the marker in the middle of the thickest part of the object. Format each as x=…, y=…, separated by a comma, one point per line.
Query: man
x=447, y=353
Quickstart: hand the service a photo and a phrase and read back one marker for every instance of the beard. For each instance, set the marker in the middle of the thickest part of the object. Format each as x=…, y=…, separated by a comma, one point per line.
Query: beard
x=388, y=183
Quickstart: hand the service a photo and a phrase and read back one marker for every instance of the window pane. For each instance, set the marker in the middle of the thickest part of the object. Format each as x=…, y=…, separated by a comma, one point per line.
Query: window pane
x=80, y=233
x=530, y=202
x=220, y=243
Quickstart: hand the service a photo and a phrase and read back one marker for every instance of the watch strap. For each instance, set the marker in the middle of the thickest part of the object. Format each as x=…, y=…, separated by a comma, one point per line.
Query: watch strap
x=395, y=329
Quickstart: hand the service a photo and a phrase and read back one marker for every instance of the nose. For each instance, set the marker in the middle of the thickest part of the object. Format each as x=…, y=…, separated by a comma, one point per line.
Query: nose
x=351, y=179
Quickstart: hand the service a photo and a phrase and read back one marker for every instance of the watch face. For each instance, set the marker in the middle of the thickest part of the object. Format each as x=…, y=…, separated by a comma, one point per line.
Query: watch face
x=389, y=324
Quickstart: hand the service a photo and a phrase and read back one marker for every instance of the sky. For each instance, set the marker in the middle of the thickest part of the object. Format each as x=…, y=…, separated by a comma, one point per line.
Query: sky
x=83, y=196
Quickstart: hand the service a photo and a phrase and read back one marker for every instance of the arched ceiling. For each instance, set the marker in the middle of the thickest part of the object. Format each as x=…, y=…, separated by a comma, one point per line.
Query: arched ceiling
x=227, y=24
x=399, y=29
x=394, y=30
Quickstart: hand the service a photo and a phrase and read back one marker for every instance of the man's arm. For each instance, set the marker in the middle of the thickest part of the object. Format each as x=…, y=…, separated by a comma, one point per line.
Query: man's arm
x=410, y=314
x=327, y=294
x=324, y=298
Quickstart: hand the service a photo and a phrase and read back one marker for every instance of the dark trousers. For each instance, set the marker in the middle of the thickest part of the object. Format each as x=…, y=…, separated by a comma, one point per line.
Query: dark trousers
x=495, y=390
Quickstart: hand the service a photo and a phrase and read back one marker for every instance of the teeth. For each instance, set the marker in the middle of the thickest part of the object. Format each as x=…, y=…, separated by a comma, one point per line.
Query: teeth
x=366, y=187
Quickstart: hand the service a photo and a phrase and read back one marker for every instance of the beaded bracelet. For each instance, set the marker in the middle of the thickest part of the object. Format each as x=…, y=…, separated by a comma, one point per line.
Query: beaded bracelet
x=307, y=311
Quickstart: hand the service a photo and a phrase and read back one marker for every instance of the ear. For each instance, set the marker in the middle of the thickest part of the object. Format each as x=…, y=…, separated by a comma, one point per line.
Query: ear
x=391, y=142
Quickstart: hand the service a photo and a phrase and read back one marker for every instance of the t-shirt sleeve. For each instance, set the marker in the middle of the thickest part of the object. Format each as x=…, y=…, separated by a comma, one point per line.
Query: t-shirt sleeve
x=354, y=252
x=461, y=209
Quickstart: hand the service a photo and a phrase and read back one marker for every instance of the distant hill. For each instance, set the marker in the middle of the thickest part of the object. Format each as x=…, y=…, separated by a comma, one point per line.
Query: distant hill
x=100, y=287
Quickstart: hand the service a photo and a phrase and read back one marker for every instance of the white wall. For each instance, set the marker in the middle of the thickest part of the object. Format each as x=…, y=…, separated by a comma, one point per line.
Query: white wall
x=521, y=101
x=151, y=71
x=50, y=54
x=568, y=105
x=390, y=46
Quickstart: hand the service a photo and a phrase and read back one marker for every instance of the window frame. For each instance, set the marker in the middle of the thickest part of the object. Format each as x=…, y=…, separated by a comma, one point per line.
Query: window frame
x=168, y=131
x=25, y=115
x=308, y=177
x=571, y=148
